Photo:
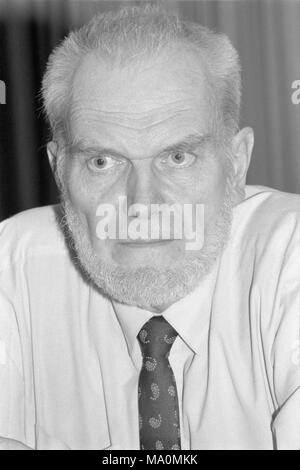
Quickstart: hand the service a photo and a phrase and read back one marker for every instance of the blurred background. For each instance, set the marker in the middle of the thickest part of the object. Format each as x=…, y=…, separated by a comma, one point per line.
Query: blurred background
x=266, y=34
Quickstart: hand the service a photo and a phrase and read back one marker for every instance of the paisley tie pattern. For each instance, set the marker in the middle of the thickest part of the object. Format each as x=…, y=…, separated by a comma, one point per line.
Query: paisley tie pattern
x=157, y=392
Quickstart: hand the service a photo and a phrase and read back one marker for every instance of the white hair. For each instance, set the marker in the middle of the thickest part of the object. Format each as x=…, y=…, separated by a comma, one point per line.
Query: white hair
x=124, y=35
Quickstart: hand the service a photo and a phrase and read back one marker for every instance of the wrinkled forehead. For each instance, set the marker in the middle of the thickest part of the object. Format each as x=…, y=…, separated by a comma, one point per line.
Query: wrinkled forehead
x=159, y=92
x=173, y=76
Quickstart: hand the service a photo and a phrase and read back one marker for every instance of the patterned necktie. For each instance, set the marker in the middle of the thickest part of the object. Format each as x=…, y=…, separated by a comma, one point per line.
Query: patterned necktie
x=157, y=393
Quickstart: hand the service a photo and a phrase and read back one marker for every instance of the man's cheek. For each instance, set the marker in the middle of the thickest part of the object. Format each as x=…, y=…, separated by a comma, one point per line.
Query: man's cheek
x=81, y=194
x=79, y=200
x=213, y=202
x=92, y=227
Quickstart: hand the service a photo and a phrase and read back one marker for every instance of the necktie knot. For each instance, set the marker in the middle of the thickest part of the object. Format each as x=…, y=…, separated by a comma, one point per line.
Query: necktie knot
x=156, y=337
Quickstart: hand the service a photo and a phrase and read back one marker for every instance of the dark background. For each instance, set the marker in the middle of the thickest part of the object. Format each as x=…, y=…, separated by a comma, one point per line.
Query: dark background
x=266, y=33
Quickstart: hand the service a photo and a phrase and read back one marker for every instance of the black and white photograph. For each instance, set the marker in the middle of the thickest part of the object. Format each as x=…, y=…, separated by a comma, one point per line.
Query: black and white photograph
x=149, y=227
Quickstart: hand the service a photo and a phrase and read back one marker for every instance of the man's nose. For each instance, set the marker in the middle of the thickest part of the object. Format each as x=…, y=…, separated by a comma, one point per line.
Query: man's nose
x=143, y=186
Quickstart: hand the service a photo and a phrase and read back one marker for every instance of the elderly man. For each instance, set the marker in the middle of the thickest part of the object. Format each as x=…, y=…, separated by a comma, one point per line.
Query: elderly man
x=113, y=341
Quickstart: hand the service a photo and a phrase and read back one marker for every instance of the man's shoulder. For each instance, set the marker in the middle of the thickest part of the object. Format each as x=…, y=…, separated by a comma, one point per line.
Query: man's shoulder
x=32, y=222
x=270, y=206
x=269, y=196
x=33, y=230
x=264, y=215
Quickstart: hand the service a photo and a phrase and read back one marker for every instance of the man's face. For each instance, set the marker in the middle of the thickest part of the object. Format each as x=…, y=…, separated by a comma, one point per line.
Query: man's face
x=144, y=132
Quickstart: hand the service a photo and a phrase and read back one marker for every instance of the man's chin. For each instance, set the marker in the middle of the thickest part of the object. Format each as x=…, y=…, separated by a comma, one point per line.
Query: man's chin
x=149, y=277
x=147, y=286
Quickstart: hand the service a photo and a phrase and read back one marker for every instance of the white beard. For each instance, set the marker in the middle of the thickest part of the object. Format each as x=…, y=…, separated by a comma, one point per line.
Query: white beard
x=149, y=287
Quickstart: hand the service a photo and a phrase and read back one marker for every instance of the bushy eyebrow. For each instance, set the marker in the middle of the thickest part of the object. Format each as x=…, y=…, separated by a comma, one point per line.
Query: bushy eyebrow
x=189, y=143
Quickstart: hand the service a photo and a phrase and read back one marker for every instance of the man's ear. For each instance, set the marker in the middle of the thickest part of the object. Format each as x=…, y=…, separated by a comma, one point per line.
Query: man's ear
x=242, y=146
x=52, y=149
x=52, y=152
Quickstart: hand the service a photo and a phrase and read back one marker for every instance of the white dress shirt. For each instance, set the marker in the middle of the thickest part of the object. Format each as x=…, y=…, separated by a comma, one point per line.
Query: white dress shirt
x=70, y=360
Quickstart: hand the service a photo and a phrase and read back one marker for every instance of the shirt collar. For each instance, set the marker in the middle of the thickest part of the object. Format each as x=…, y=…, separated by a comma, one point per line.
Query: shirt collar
x=189, y=316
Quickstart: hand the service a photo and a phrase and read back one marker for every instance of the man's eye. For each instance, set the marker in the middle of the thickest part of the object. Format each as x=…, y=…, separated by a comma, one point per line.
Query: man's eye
x=102, y=163
x=179, y=160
